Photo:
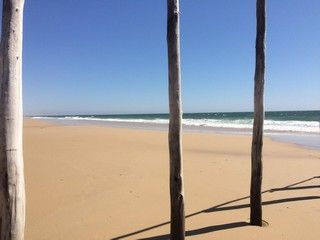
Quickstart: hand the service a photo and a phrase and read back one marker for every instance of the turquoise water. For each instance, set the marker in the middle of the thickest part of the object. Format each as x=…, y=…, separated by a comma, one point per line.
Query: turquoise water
x=275, y=115
x=280, y=121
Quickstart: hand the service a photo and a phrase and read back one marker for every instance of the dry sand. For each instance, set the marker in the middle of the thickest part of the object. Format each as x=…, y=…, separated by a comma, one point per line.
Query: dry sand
x=91, y=182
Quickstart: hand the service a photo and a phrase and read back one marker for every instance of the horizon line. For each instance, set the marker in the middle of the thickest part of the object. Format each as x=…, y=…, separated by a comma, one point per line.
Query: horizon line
x=153, y=113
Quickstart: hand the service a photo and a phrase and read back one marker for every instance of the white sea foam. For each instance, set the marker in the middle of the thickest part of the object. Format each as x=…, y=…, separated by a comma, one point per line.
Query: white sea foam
x=245, y=124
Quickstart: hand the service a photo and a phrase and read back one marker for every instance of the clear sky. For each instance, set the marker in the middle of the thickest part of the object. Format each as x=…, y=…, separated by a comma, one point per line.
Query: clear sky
x=110, y=56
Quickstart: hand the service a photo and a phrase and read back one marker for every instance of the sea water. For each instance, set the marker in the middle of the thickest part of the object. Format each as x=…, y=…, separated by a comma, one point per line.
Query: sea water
x=301, y=127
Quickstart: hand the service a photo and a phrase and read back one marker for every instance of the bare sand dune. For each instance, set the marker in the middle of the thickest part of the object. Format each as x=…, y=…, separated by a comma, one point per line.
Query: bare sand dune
x=91, y=182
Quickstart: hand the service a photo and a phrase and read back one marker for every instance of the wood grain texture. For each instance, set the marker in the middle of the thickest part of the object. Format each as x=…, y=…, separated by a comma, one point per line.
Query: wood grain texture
x=12, y=190
x=177, y=227
x=257, y=137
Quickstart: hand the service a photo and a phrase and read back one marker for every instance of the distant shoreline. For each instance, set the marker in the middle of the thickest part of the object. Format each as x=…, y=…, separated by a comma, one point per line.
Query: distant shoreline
x=275, y=122
x=306, y=140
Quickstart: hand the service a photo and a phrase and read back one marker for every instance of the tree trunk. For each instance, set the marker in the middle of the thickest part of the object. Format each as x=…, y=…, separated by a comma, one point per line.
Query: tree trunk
x=12, y=192
x=176, y=177
x=257, y=137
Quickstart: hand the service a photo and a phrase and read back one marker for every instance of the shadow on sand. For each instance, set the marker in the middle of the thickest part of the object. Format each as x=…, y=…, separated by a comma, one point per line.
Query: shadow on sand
x=201, y=230
x=220, y=207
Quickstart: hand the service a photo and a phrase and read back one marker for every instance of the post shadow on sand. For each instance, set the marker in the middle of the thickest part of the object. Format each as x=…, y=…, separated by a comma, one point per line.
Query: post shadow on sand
x=220, y=207
x=201, y=230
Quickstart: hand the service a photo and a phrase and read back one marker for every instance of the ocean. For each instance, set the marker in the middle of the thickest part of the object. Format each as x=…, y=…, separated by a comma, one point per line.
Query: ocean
x=301, y=126
x=285, y=121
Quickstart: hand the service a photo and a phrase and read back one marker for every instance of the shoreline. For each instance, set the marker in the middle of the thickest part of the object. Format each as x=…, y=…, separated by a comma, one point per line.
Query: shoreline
x=304, y=140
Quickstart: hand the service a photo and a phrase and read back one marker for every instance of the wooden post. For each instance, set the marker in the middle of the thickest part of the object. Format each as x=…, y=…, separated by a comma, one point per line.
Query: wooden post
x=177, y=228
x=257, y=137
x=12, y=191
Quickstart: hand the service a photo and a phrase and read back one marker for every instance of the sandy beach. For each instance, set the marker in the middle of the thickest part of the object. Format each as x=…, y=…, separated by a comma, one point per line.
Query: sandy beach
x=93, y=182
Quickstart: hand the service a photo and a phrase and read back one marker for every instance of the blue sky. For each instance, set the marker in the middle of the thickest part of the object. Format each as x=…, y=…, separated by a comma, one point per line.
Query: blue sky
x=86, y=57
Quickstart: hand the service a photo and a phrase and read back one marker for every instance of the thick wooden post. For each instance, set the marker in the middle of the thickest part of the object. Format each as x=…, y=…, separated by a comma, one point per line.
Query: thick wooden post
x=257, y=137
x=12, y=191
x=176, y=176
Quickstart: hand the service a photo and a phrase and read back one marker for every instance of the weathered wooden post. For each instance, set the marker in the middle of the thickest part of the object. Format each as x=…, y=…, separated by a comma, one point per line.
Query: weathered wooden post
x=257, y=137
x=12, y=190
x=177, y=228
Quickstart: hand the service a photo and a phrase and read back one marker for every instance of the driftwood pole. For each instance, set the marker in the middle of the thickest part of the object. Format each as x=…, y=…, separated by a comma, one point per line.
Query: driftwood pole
x=176, y=177
x=257, y=137
x=12, y=191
